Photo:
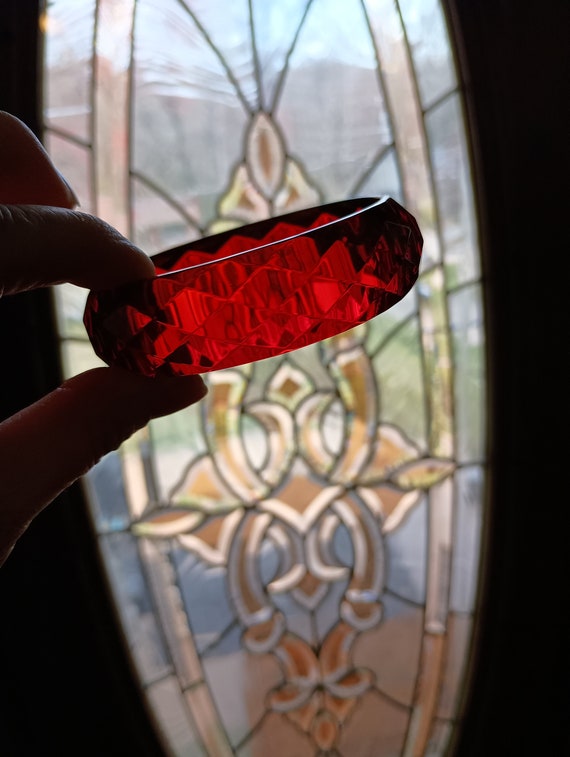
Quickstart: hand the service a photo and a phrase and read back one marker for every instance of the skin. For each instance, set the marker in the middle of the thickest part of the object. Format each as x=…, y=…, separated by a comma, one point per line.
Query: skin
x=44, y=241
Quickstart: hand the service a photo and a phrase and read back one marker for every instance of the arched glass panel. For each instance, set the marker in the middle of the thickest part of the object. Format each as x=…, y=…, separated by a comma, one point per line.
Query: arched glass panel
x=295, y=560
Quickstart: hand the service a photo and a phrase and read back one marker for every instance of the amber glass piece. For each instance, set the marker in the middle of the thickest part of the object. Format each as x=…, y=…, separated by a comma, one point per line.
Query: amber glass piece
x=259, y=291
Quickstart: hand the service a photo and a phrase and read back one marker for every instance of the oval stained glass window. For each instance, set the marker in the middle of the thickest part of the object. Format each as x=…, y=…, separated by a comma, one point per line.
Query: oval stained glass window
x=295, y=560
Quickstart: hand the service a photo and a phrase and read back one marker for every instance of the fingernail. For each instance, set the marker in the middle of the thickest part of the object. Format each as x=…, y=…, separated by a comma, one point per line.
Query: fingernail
x=73, y=198
x=203, y=387
x=172, y=393
x=194, y=385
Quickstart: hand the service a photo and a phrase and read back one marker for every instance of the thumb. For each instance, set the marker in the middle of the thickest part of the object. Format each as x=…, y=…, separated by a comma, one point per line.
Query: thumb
x=66, y=432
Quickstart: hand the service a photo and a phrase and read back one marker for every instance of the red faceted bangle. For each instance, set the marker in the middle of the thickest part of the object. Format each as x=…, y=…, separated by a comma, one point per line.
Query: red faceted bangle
x=260, y=290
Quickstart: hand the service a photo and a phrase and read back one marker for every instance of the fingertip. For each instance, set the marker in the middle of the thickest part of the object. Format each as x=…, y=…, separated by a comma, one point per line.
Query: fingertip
x=141, y=266
x=108, y=259
x=133, y=399
x=173, y=393
x=72, y=199
x=22, y=156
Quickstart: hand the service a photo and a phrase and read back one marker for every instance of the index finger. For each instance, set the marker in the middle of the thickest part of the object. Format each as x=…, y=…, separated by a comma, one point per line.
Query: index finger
x=40, y=246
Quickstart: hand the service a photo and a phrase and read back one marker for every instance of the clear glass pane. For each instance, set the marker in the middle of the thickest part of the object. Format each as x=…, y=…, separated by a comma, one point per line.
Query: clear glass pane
x=427, y=36
x=466, y=316
x=294, y=560
x=450, y=170
x=78, y=356
x=68, y=88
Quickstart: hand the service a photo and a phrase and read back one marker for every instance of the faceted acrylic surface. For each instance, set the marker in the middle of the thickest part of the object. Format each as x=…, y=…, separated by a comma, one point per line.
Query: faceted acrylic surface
x=259, y=291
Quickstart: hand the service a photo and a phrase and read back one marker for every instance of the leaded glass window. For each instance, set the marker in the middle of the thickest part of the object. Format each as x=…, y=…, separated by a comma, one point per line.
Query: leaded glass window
x=295, y=560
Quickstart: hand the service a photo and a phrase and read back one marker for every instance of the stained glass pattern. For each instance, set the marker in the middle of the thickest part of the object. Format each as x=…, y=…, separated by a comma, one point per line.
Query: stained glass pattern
x=295, y=560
